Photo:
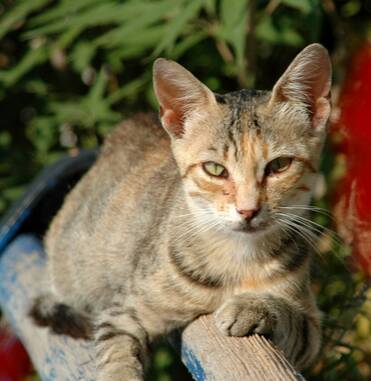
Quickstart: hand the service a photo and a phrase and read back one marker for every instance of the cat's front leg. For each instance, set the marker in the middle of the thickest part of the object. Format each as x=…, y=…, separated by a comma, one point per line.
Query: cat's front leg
x=121, y=346
x=296, y=332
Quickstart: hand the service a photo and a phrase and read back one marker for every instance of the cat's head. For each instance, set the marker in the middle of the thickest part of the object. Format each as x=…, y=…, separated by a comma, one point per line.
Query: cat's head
x=246, y=157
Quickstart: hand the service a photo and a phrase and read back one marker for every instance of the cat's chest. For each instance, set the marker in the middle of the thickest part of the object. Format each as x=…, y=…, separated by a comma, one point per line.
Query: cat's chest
x=242, y=267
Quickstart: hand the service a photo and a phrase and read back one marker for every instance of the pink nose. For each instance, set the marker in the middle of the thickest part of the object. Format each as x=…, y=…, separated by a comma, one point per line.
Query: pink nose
x=249, y=214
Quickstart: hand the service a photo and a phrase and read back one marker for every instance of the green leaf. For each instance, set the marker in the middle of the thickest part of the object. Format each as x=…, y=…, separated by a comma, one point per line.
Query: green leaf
x=5, y=138
x=147, y=38
x=31, y=59
x=305, y=6
x=187, y=42
x=233, y=27
x=127, y=90
x=177, y=24
x=97, y=90
x=43, y=133
x=231, y=13
x=67, y=37
x=18, y=13
x=13, y=193
x=82, y=54
x=89, y=110
x=104, y=13
x=37, y=87
x=292, y=38
x=137, y=29
x=210, y=7
x=61, y=10
x=266, y=31
x=284, y=34
x=73, y=112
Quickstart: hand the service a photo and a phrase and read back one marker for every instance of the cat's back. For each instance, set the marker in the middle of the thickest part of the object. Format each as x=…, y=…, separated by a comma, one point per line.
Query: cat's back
x=128, y=160
x=133, y=142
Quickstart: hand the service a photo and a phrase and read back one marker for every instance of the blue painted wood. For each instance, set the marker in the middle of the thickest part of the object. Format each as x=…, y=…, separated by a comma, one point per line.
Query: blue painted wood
x=193, y=364
x=22, y=277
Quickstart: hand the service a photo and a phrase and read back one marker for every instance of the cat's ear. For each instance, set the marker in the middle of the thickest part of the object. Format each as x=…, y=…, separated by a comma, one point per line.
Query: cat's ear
x=179, y=94
x=307, y=82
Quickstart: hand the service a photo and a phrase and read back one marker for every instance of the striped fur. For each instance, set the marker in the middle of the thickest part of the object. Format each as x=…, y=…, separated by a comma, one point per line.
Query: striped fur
x=148, y=240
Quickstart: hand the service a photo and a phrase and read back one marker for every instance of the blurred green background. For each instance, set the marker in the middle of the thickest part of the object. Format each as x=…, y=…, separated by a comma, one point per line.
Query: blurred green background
x=71, y=69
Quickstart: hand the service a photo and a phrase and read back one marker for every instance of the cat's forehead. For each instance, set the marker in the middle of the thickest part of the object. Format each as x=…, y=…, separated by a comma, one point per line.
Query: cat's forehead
x=246, y=128
x=243, y=97
x=243, y=127
x=242, y=109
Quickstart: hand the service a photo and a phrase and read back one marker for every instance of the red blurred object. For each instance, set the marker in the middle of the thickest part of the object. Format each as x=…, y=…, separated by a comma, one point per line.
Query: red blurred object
x=15, y=364
x=353, y=199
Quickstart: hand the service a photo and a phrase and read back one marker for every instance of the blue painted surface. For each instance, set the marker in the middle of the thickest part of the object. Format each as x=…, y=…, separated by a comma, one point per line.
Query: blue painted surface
x=9, y=275
x=57, y=358
x=193, y=364
x=12, y=255
x=8, y=232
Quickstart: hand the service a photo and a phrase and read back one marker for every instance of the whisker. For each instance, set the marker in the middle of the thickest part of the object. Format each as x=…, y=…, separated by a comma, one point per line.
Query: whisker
x=303, y=232
x=290, y=229
x=311, y=208
x=300, y=229
x=196, y=227
x=322, y=230
x=192, y=214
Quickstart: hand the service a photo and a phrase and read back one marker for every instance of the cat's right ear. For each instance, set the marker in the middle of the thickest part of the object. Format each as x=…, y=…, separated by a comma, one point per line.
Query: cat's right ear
x=179, y=94
x=307, y=82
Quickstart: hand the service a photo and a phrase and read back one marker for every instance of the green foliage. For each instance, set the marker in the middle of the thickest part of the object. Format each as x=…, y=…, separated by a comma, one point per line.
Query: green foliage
x=344, y=299
x=71, y=69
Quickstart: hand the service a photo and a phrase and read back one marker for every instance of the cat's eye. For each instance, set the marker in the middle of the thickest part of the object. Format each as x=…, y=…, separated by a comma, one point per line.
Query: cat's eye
x=278, y=165
x=214, y=169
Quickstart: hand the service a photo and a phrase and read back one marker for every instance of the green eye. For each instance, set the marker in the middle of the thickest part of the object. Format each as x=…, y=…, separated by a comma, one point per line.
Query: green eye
x=214, y=169
x=278, y=165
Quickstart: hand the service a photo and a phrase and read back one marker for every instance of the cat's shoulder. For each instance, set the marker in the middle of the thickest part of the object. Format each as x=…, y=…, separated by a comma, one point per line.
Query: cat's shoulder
x=141, y=131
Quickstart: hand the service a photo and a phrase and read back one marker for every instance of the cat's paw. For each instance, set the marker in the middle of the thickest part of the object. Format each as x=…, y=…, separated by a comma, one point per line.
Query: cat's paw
x=245, y=315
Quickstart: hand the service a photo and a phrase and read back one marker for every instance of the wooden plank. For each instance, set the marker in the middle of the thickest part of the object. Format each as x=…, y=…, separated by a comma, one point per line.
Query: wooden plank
x=211, y=356
x=208, y=355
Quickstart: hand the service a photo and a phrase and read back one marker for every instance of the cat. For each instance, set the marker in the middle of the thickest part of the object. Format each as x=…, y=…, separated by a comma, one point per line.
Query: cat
x=193, y=218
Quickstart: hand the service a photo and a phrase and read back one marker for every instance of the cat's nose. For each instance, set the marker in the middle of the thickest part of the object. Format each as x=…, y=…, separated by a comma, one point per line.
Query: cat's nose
x=249, y=214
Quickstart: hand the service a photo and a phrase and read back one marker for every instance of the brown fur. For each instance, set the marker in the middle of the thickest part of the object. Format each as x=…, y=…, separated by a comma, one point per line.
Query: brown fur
x=148, y=240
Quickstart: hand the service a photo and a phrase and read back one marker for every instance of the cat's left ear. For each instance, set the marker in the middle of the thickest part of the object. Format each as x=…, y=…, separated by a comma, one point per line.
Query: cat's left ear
x=179, y=94
x=307, y=82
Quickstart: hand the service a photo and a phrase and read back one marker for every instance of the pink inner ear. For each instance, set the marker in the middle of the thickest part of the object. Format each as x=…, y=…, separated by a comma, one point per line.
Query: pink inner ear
x=179, y=93
x=321, y=112
x=171, y=109
x=172, y=121
x=307, y=81
x=319, y=86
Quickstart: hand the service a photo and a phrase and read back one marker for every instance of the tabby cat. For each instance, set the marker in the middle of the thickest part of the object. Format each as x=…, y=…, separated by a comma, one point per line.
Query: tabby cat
x=161, y=230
